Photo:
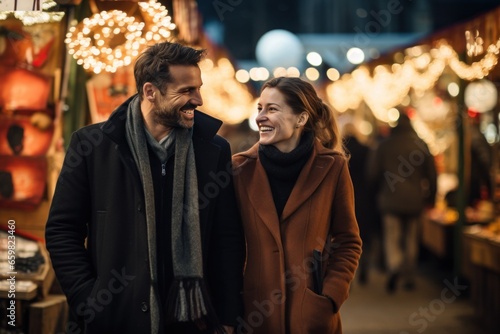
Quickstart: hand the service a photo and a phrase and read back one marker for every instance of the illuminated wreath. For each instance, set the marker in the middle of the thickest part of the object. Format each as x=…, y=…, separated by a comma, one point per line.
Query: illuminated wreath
x=105, y=41
x=109, y=40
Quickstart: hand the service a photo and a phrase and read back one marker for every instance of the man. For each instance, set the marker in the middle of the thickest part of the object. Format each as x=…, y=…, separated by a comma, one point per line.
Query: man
x=143, y=232
x=403, y=174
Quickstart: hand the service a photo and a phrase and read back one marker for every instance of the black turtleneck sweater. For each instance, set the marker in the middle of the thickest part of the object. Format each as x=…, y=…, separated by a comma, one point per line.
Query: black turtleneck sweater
x=283, y=169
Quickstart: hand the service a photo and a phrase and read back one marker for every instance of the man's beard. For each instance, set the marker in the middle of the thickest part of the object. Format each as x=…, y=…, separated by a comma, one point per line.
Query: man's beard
x=170, y=117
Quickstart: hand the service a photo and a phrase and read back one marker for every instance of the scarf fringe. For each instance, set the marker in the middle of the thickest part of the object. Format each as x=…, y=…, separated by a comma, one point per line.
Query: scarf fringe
x=188, y=301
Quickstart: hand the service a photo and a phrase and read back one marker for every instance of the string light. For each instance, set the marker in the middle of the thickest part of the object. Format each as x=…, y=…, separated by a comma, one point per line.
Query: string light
x=412, y=75
x=478, y=69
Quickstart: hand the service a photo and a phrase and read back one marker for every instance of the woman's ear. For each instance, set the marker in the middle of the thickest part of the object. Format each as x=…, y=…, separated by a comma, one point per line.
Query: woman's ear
x=303, y=117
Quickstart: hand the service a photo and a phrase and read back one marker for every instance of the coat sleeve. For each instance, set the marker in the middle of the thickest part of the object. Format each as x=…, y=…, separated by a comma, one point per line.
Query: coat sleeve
x=345, y=248
x=66, y=228
x=227, y=247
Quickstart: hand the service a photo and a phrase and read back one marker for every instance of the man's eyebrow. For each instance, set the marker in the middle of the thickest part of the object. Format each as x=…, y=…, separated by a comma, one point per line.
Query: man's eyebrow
x=189, y=87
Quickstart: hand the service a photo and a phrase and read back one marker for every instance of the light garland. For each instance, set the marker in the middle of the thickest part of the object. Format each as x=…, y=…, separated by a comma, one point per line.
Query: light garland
x=387, y=88
x=478, y=69
x=107, y=41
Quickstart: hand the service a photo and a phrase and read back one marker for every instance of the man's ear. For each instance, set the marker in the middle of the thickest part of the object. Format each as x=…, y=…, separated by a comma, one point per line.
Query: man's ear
x=149, y=91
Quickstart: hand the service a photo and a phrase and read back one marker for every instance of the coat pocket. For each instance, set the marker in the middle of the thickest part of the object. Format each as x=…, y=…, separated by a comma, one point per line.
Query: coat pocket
x=317, y=314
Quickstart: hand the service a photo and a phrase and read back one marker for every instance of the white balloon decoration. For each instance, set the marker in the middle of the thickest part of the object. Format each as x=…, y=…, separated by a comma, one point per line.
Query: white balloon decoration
x=279, y=48
x=481, y=95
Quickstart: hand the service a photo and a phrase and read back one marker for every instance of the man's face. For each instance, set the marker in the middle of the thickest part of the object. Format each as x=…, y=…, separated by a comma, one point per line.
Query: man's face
x=175, y=107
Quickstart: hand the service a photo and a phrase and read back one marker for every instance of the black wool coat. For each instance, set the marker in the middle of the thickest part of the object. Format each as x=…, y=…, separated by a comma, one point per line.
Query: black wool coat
x=96, y=230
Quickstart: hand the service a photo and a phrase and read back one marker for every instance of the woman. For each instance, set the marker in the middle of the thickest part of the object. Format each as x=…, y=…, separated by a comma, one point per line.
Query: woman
x=297, y=203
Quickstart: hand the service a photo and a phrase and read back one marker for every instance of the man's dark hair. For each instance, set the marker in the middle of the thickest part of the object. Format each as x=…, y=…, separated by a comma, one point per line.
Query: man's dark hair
x=153, y=65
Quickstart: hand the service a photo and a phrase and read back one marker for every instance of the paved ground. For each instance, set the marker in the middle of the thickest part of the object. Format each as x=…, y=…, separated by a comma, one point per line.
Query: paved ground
x=438, y=305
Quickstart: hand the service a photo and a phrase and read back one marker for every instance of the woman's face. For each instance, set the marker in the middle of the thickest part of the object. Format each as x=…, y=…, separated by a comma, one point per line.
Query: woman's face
x=278, y=124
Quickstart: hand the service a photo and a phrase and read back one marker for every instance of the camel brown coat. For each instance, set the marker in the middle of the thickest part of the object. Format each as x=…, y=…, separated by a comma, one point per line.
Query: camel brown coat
x=319, y=214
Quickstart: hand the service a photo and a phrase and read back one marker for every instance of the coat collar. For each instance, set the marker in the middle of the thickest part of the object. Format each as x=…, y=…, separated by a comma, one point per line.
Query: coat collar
x=310, y=178
x=205, y=126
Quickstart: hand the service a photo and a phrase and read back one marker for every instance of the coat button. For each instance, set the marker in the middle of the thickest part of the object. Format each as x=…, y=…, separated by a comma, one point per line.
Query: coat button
x=144, y=307
x=139, y=207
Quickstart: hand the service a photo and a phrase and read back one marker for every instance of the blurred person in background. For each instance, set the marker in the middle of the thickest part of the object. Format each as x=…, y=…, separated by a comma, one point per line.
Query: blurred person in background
x=403, y=172
x=297, y=203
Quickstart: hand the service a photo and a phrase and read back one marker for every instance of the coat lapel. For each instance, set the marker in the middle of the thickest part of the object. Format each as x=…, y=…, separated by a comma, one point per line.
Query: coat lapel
x=262, y=200
x=311, y=176
x=260, y=195
x=259, y=191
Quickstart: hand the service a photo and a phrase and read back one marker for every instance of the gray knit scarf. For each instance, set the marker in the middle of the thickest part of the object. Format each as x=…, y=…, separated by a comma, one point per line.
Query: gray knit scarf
x=188, y=299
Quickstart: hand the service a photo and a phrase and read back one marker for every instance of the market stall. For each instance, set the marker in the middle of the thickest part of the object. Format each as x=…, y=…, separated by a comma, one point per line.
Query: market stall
x=481, y=265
